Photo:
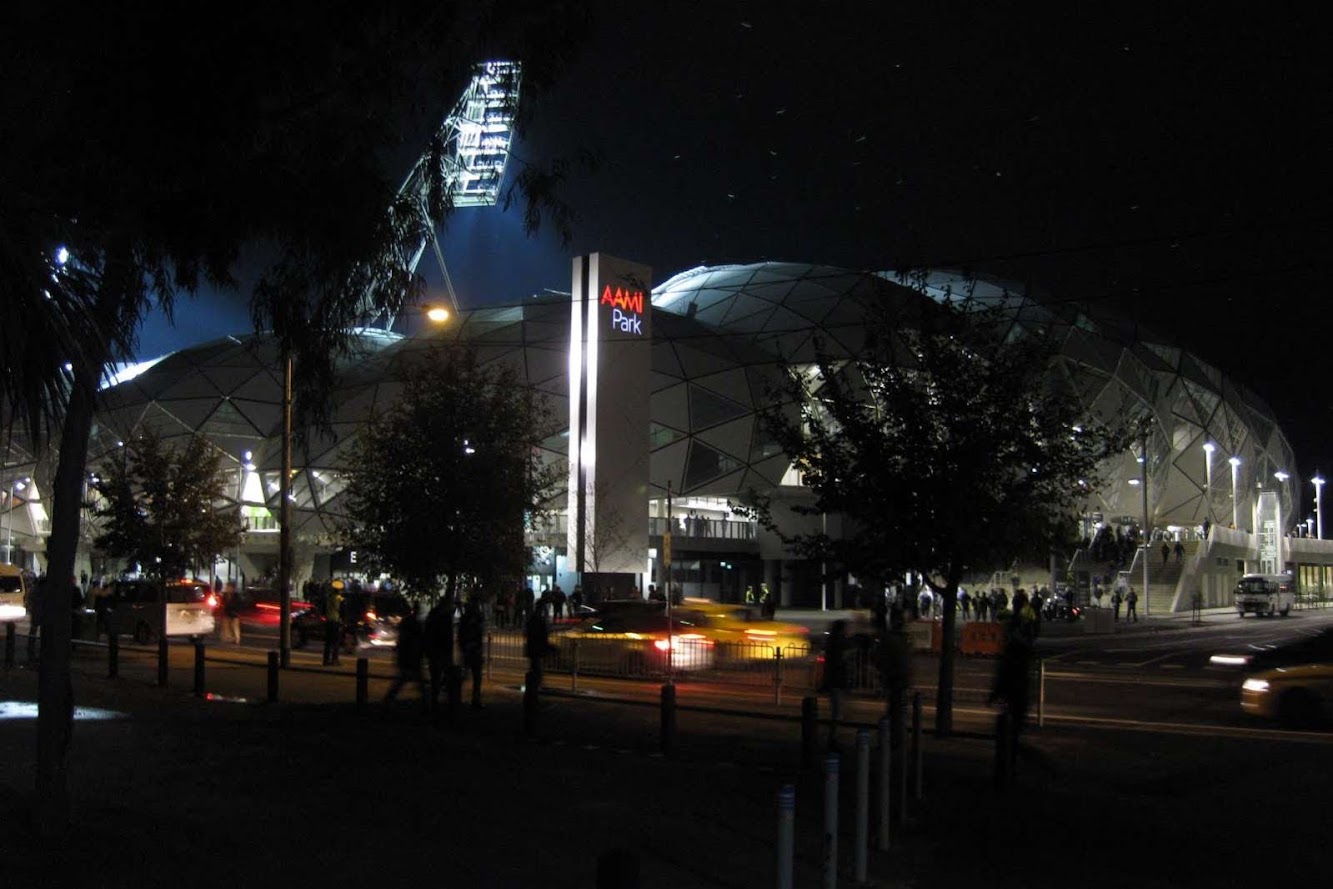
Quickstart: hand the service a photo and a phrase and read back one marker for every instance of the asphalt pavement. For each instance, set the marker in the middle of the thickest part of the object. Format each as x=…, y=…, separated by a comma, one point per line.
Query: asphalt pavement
x=229, y=790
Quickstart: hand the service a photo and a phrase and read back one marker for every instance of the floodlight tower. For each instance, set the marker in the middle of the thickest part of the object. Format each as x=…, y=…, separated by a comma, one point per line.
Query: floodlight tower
x=467, y=154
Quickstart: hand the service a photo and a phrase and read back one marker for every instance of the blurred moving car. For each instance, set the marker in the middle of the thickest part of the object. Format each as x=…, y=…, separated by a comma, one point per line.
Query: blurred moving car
x=632, y=642
x=149, y=609
x=742, y=631
x=1291, y=683
x=369, y=619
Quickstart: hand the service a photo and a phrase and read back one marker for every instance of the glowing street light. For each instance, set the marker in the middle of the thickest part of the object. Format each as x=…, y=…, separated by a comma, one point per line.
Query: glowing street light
x=1318, y=483
x=1235, y=472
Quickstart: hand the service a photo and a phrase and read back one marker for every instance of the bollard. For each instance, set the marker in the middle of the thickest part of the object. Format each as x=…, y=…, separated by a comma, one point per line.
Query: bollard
x=809, y=731
x=885, y=783
x=490, y=652
x=162, y=660
x=786, y=835
x=362, y=683
x=916, y=747
x=900, y=733
x=273, y=661
x=859, y=852
x=830, y=864
x=9, y=645
x=1041, y=692
x=618, y=869
x=668, y=718
x=777, y=676
x=574, y=672
x=455, y=678
x=112, y=656
x=529, y=705
x=33, y=630
x=1003, y=755
x=198, y=669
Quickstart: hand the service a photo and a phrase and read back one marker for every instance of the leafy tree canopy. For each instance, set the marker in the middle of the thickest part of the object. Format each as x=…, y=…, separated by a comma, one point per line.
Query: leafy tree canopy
x=166, y=509
x=444, y=484
x=948, y=446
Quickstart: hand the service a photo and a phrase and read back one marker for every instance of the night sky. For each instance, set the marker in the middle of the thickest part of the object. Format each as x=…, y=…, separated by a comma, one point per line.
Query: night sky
x=1169, y=163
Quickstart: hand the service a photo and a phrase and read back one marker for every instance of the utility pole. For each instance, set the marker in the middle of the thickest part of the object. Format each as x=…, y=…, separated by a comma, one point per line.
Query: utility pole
x=1143, y=483
x=666, y=557
x=285, y=520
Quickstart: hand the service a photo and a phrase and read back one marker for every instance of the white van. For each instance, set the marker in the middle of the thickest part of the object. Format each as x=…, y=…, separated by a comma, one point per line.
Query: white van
x=150, y=609
x=1265, y=594
x=13, y=594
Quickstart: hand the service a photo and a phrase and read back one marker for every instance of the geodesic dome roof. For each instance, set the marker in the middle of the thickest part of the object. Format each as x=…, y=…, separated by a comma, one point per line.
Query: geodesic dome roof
x=721, y=335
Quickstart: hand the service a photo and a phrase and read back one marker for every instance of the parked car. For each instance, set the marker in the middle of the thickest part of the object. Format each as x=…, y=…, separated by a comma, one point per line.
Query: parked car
x=149, y=609
x=369, y=619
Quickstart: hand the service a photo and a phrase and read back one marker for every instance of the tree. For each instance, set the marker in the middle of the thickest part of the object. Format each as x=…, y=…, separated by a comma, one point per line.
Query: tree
x=166, y=509
x=443, y=485
x=947, y=446
x=143, y=151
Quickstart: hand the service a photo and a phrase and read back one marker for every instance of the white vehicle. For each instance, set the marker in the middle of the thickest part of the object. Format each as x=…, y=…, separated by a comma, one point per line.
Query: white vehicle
x=149, y=609
x=13, y=594
x=1265, y=594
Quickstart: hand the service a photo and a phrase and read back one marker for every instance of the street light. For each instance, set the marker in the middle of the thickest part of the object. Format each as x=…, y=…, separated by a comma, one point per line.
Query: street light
x=1318, y=483
x=1235, y=471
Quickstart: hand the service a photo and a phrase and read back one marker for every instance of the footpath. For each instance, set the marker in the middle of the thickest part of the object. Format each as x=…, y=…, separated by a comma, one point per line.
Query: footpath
x=231, y=791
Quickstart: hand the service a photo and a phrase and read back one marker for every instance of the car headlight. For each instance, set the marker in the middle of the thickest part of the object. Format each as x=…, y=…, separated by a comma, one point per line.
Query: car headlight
x=1259, y=686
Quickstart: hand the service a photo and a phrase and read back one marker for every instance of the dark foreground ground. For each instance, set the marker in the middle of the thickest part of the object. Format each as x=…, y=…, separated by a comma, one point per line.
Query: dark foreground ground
x=225, y=793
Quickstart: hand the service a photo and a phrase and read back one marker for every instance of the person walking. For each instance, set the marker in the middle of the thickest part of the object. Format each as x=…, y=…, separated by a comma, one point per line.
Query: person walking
x=1013, y=674
x=1180, y=551
x=471, y=640
x=407, y=658
x=835, y=676
x=1131, y=606
x=536, y=645
x=1116, y=598
x=766, y=604
x=231, y=615
x=333, y=624
x=1166, y=552
x=438, y=639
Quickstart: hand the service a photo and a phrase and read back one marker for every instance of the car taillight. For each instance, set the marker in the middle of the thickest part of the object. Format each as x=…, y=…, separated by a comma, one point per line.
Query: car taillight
x=370, y=615
x=212, y=601
x=662, y=645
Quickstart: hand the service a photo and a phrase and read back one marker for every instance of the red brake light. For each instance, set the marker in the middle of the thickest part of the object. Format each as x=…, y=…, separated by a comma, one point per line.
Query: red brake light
x=212, y=600
x=662, y=645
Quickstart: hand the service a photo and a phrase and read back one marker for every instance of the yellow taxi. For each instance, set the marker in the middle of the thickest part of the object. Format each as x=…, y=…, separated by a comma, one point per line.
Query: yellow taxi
x=742, y=634
x=634, y=643
x=1290, y=683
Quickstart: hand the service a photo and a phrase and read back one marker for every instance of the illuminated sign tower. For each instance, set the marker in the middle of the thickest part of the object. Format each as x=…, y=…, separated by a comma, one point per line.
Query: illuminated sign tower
x=610, y=365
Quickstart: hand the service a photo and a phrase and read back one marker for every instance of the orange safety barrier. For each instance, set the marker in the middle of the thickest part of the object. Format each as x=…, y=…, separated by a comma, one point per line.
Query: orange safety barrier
x=982, y=637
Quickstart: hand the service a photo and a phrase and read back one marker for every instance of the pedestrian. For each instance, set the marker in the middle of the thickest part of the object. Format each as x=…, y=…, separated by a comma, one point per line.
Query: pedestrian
x=1166, y=552
x=407, y=658
x=1180, y=551
x=576, y=602
x=1207, y=526
x=1097, y=592
x=536, y=645
x=766, y=605
x=101, y=594
x=231, y=614
x=749, y=595
x=1115, y=604
x=1131, y=606
x=965, y=601
x=923, y=602
x=471, y=641
x=438, y=639
x=558, y=599
x=333, y=626
x=1013, y=673
x=835, y=676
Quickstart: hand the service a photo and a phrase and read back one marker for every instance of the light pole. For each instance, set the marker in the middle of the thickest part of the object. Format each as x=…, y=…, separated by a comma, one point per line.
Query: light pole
x=1208, y=448
x=1318, y=483
x=1235, y=473
x=438, y=316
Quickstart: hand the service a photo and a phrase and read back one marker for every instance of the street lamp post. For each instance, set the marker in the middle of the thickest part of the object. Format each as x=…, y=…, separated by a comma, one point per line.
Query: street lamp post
x=1235, y=473
x=1143, y=483
x=1318, y=483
